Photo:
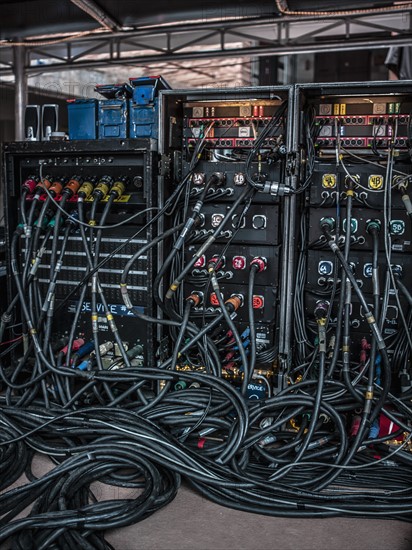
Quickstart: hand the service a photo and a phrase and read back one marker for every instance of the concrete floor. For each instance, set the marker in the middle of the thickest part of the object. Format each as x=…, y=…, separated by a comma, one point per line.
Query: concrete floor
x=191, y=522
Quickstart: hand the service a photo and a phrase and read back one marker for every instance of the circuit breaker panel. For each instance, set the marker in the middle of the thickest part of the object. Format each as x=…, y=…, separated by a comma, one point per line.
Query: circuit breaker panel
x=71, y=260
x=356, y=180
x=229, y=148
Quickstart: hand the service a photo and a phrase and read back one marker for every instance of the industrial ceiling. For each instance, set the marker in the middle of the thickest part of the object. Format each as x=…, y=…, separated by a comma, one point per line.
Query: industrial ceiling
x=87, y=33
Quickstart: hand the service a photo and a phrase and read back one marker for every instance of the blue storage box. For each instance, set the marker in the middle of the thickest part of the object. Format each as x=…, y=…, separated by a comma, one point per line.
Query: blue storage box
x=147, y=88
x=143, y=120
x=112, y=118
x=82, y=117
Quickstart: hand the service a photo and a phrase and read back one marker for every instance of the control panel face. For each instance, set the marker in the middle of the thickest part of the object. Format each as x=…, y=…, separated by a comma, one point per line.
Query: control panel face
x=110, y=184
x=362, y=123
x=228, y=149
x=358, y=181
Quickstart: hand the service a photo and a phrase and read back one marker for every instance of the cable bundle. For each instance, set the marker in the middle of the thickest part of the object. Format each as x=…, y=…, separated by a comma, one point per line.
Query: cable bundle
x=121, y=448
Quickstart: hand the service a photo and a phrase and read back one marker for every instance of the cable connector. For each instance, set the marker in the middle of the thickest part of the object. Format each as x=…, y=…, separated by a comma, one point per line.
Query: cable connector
x=43, y=184
x=406, y=199
x=259, y=263
x=72, y=186
x=87, y=187
x=218, y=178
x=405, y=380
x=327, y=224
x=102, y=188
x=119, y=187
x=77, y=344
x=6, y=318
x=373, y=226
x=276, y=189
x=321, y=311
x=216, y=262
x=30, y=184
x=234, y=302
x=397, y=271
x=196, y=297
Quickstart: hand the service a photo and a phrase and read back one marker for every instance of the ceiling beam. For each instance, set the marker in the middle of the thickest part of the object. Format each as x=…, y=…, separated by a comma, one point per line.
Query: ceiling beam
x=175, y=28
x=97, y=13
x=278, y=36
x=247, y=51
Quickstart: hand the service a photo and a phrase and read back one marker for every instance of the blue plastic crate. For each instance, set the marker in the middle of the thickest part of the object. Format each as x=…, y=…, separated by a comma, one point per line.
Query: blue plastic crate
x=143, y=121
x=146, y=88
x=112, y=118
x=82, y=117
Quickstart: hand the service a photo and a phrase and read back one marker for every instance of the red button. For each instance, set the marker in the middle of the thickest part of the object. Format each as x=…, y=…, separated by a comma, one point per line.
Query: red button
x=213, y=299
x=258, y=302
x=239, y=262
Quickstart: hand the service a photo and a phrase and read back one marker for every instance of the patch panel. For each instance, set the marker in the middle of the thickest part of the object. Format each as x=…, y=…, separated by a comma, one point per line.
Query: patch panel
x=258, y=225
x=228, y=122
x=226, y=130
x=329, y=181
x=228, y=110
x=265, y=297
x=229, y=143
x=237, y=263
x=323, y=268
x=358, y=205
x=359, y=327
x=398, y=227
x=124, y=167
x=362, y=125
x=332, y=120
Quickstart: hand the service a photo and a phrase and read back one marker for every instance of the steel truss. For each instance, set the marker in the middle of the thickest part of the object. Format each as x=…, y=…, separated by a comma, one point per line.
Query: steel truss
x=213, y=39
